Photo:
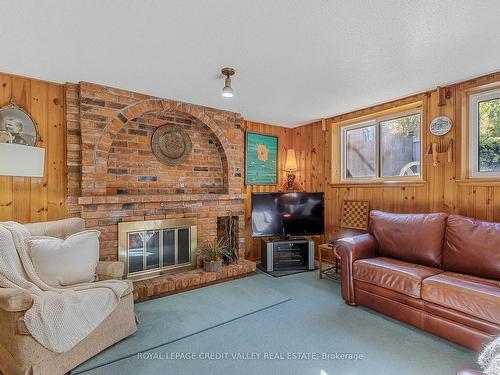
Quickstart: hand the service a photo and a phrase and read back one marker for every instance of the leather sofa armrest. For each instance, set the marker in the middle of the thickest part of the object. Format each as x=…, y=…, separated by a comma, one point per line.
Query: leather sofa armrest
x=470, y=372
x=15, y=300
x=110, y=270
x=349, y=250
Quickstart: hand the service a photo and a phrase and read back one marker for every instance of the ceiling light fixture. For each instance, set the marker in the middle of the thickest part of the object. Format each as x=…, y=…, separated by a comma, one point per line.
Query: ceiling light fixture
x=227, y=91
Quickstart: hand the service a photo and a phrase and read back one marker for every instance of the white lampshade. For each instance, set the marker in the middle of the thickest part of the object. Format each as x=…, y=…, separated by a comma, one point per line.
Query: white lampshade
x=21, y=160
x=291, y=160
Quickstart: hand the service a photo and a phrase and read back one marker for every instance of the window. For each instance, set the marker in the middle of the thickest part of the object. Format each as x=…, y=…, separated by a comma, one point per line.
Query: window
x=384, y=148
x=484, y=125
x=360, y=151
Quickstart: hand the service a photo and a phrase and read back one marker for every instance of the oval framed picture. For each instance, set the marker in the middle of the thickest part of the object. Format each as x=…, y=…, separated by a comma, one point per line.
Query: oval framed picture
x=17, y=126
x=440, y=125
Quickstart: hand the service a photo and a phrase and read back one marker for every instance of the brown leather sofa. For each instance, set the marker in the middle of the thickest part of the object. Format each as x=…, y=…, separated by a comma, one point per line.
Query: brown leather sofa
x=436, y=272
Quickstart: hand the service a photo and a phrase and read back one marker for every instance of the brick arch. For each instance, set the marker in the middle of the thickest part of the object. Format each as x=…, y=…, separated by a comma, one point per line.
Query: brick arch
x=119, y=121
x=217, y=141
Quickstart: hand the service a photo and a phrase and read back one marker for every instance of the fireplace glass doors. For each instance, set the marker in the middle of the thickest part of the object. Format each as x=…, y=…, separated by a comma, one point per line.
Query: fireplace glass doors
x=149, y=248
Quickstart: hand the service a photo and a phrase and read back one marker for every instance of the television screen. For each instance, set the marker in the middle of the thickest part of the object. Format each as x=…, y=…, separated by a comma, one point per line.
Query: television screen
x=287, y=214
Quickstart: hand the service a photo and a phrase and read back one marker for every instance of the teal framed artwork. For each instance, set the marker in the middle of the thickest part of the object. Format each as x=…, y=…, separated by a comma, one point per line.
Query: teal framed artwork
x=261, y=159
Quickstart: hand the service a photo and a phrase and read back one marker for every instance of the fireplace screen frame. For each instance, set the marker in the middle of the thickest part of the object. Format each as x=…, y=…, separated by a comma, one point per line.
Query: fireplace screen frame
x=125, y=228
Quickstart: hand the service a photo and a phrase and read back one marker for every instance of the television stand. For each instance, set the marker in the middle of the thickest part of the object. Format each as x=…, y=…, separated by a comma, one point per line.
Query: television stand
x=287, y=255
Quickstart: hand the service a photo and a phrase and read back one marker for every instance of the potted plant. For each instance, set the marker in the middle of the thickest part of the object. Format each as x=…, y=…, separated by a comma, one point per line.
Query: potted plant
x=212, y=256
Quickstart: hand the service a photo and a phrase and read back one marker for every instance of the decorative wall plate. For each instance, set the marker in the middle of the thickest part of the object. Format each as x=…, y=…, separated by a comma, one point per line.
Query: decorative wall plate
x=171, y=144
x=440, y=125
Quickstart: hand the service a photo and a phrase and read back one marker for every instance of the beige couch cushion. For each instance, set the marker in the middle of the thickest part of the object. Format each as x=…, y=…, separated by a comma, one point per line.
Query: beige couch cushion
x=110, y=270
x=14, y=299
x=58, y=228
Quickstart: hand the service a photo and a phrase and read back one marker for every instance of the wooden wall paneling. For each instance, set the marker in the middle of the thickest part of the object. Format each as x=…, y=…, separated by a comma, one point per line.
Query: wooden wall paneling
x=376, y=201
x=490, y=203
x=56, y=147
x=434, y=176
x=449, y=185
x=467, y=200
x=389, y=200
x=482, y=202
x=496, y=204
x=330, y=195
x=21, y=186
x=6, y=193
x=422, y=199
x=312, y=146
x=319, y=150
x=39, y=186
x=25, y=199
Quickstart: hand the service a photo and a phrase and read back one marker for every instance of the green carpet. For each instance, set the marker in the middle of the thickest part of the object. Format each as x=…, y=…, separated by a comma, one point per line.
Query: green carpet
x=288, y=334
x=168, y=319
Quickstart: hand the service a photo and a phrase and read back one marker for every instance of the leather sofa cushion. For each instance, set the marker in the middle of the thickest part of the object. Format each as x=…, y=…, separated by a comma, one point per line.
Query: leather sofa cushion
x=414, y=238
x=393, y=274
x=468, y=294
x=472, y=247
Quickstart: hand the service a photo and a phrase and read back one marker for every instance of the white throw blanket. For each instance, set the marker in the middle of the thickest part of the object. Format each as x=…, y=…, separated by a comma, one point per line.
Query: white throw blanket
x=489, y=360
x=59, y=318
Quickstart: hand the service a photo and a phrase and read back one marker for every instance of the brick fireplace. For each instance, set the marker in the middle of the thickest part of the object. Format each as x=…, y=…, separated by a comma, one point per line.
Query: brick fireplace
x=150, y=248
x=114, y=177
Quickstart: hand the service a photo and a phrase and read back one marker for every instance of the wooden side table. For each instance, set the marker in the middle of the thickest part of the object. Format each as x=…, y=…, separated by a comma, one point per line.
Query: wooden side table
x=333, y=269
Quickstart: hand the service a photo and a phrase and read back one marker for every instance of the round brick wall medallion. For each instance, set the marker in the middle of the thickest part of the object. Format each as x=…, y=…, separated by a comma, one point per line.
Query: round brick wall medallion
x=171, y=144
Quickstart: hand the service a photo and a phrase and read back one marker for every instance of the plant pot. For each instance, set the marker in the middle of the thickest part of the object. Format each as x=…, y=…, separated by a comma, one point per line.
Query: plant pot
x=212, y=266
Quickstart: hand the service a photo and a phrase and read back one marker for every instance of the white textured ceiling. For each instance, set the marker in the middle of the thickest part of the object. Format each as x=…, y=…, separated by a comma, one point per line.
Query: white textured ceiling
x=296, y=61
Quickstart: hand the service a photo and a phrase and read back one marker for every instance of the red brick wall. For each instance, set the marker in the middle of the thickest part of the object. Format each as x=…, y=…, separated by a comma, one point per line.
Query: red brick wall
x=73, y=150
x=113, y=175
x=133, y=169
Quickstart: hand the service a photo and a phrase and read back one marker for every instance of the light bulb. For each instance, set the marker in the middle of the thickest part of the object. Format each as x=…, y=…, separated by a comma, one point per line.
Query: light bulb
x=227, y=92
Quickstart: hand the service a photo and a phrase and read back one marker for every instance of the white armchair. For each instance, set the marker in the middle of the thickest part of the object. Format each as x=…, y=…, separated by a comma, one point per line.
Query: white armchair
x=20, y=353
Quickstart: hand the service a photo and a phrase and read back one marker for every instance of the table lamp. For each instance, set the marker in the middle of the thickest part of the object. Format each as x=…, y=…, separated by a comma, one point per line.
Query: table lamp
x=290, y=167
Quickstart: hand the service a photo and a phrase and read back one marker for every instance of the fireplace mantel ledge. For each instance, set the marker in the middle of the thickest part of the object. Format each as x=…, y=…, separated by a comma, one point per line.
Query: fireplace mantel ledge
x=127, y=198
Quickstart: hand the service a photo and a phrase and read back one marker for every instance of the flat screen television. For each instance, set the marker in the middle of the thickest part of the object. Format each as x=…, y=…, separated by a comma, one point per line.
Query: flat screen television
x=287, y=214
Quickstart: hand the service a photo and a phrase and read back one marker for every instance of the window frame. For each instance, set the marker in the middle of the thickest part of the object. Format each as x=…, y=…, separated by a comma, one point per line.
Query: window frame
x=343, y=158
x=375, y=121
x=473, y=107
